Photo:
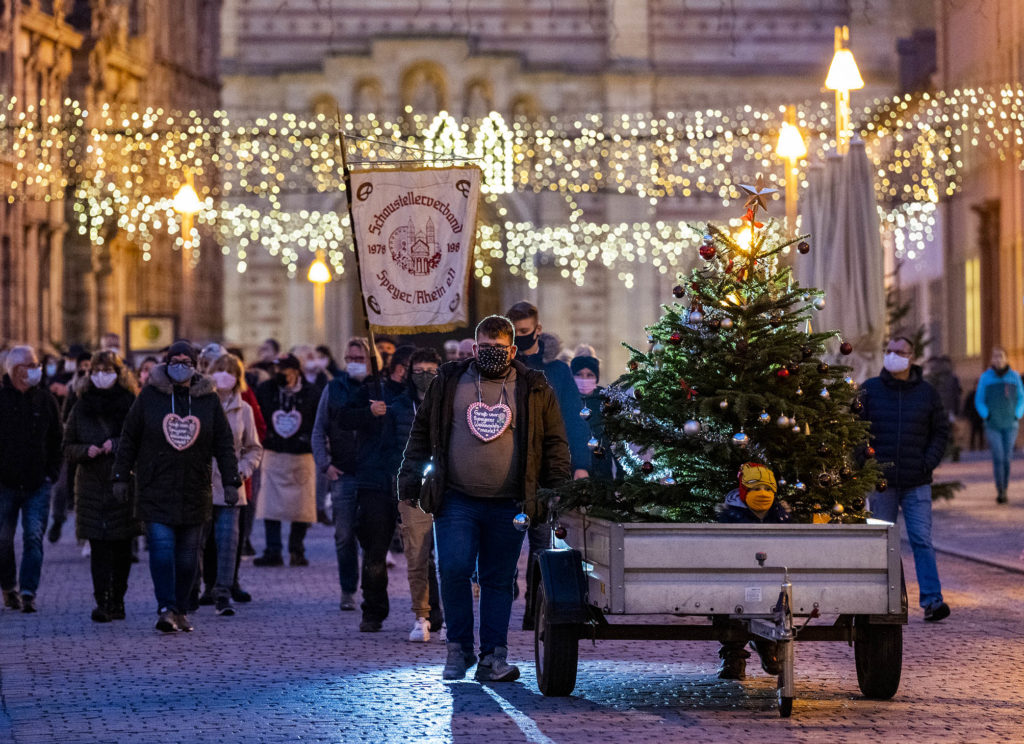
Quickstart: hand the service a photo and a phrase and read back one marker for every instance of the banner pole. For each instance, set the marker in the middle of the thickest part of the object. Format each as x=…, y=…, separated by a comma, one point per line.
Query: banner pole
x=359, y=274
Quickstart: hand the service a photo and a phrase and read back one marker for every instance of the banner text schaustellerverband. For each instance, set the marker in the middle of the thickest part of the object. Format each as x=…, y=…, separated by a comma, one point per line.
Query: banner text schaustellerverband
x=410, y=199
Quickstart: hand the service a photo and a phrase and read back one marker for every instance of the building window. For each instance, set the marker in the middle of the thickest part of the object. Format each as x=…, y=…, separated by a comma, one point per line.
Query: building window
x=972, y=293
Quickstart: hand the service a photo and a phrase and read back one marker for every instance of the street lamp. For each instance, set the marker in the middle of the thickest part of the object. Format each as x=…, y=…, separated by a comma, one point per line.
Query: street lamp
x=791, y=148
x=187, y=204
x=319, y=274
x=843, y=76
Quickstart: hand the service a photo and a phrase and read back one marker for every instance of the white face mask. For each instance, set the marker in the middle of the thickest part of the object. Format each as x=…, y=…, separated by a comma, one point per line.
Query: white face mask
x=356, y=370
x=34, y=376
x=103, y=380
x=70, y=366
x=224, y=380
x=895, y=363
x=51, y=369
x=311, y=367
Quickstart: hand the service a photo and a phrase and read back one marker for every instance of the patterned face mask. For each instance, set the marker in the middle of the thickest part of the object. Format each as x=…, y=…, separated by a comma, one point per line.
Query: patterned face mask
x=493, y=361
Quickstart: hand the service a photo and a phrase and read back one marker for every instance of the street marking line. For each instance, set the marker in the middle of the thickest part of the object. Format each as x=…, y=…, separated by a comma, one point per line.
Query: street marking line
x=523, y=721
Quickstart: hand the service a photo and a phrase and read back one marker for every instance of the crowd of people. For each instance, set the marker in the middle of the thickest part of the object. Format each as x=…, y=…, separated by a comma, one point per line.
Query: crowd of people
x=443, y=456
x=179, y=453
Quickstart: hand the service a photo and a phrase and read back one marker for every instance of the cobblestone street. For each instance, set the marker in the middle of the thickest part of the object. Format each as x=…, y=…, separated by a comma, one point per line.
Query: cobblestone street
x=290, y=667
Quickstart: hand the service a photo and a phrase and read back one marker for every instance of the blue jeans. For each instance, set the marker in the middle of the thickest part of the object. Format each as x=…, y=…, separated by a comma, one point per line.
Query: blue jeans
x=35, y=512
x=472, y=533
x=916, y=504
x=173, y=563
x=346, y=545
x=1000, y=441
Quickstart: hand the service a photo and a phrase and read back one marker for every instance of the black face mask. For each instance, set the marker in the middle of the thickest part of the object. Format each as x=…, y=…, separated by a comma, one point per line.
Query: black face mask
x=523, y=343
x=422, y=380
x=492, y=362
x=1001, y=370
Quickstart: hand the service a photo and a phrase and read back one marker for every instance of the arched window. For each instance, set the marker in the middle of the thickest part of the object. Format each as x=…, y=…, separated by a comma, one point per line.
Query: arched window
x=367, y=97
x=324, y=105
x=524, y=106
x=493, y=145
x=478, y=99
x=424, y=89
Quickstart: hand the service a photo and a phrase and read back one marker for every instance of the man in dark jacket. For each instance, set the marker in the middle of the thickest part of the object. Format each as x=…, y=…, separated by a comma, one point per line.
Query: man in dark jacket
x=532, y=352
x=909, y=429
x=491, y=431
x=379, y=451
x=30, y=459
x=173, y=432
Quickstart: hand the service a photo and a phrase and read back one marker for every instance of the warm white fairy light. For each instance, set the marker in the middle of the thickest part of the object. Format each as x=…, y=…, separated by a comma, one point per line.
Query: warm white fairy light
x=123, y=166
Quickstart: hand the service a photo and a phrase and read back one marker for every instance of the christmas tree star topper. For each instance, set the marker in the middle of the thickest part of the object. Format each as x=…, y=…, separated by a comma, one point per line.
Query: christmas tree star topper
x=757, y=192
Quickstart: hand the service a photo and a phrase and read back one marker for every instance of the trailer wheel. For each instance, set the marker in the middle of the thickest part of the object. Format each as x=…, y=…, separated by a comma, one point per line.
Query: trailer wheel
x=878, y=650
x=556, y=650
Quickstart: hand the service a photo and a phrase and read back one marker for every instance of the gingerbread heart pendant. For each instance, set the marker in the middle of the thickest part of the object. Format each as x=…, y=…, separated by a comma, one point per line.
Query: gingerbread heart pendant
x=286, y=424
x=488, y=422
x=181, y=433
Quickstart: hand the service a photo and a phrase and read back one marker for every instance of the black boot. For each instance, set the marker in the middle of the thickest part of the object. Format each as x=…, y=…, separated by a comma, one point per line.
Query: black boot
x=734, y=660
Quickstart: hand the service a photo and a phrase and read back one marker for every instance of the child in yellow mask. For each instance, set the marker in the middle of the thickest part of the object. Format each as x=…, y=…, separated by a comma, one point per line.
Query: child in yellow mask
x=755, y=499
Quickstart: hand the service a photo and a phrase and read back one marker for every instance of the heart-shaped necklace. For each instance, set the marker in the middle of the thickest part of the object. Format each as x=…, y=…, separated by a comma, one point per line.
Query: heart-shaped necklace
x=181, y=432
x=489, y=422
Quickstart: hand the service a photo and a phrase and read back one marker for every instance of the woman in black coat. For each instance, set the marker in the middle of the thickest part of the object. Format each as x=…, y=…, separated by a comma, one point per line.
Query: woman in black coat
x=173, y=433
x=91, y=438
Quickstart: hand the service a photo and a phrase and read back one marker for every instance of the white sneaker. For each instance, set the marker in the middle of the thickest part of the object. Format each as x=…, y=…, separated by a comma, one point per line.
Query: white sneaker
x=390, y=560
x=443, y=634
x=87, y=550
x=420, y=632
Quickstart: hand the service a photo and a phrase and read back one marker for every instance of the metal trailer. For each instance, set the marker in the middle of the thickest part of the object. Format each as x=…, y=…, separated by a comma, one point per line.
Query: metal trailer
x=775, y=579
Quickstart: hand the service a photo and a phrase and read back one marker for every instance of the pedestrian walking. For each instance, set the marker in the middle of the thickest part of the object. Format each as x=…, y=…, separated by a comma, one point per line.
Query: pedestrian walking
x=221, y=554
x=288, y=473
x=491, y=431
x=30, y=459
x=586, y=373
x=416, y=525
x=91, y=440
x=173, y=432
x=999, y=401
x=247, y=513
x=314, y=374
x=377, y=463
x=542, y=356
x=335, y=450
x=909, y=430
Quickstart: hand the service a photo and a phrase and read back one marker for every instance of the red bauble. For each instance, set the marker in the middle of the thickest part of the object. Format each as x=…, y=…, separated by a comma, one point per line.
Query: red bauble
x=707, y=252
x=803, y=247
x=678, y=292
x=561, y=532
x=675, y=338
x=846, y=348
x=633, y=366
x=647, y=468
x=869, y=452
x=782, y=372
x=881, y=485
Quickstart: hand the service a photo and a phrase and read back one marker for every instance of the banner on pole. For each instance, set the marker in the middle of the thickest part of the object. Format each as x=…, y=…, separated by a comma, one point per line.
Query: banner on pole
x=415, y=231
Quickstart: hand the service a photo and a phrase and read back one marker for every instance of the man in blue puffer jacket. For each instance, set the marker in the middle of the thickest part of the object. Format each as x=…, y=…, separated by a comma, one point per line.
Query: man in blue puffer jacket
x=999, y=401
x=909, y=429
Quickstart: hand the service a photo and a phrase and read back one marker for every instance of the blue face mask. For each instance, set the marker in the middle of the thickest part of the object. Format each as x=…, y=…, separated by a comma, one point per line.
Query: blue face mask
x=179, y=372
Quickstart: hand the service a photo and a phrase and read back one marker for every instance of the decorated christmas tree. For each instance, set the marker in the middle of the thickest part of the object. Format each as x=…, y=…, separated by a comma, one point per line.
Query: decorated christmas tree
x=735, y=373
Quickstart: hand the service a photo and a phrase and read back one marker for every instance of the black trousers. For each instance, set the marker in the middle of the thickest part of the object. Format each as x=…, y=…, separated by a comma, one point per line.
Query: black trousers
x=110, y=562
x=376, y=516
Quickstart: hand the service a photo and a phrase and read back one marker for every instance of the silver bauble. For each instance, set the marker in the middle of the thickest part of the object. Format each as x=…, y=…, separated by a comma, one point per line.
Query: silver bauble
x=708, y=239
x=764, y=418
x=838, y=508
x=850, y=381
x=669, y=481
x=585, y=413
x=824, y=393
x=658, y=348
x=724, y=404
x=799, y=487
x=593, y=444
x=799, y=391
x=818, y=303
x=782, y=421
x=696, y=316
x=691, y=428
x=740, y=439
x=782, y=482
x=726, y=324
x=521, y=522
x=796, y=428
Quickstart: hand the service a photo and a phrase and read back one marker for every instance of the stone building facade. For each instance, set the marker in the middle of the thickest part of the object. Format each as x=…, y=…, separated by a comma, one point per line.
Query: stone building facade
x=57, y=287
x=531, y=58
